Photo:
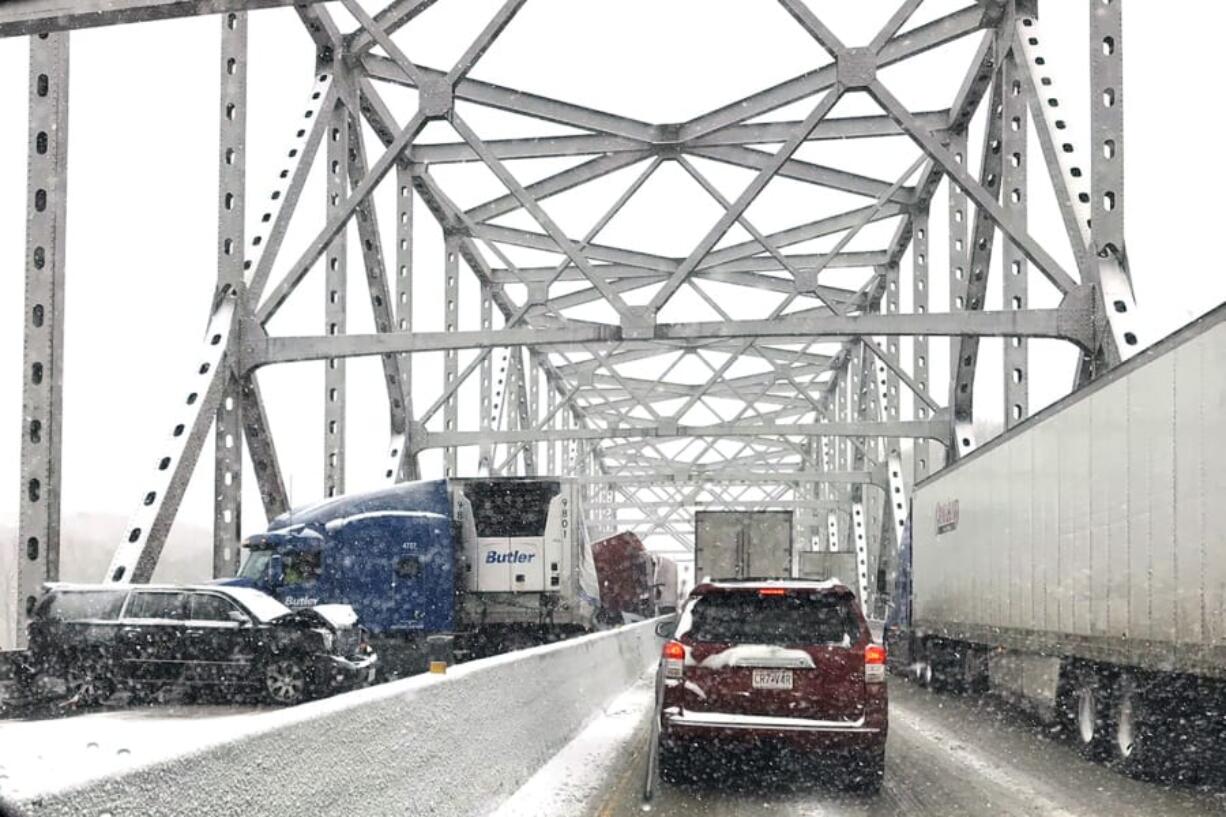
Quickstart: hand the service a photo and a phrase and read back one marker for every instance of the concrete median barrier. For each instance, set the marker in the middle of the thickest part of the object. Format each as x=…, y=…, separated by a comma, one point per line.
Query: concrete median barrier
x=452, y=744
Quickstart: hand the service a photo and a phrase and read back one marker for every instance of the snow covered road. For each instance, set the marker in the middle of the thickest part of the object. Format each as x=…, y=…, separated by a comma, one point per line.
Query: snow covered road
x=947, y=756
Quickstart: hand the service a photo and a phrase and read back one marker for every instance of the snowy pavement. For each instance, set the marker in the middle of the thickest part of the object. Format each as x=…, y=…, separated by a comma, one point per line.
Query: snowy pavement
x=576, y=778
x=946, y=756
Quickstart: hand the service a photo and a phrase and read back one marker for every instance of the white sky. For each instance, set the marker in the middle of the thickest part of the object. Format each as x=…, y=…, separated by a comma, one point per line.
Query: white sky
x=142, y=204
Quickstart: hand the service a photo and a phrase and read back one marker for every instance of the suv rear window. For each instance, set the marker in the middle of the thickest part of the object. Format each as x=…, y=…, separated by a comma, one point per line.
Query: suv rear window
x=84, y=605
x=748, y=618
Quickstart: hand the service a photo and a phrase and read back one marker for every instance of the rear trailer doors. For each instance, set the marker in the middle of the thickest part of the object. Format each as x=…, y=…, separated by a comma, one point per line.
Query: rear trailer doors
x=775, y=653
x=743, y=544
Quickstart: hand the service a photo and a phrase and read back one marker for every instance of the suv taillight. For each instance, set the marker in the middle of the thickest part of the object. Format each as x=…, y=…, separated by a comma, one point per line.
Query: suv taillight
x=874, y=664
x=674, y=660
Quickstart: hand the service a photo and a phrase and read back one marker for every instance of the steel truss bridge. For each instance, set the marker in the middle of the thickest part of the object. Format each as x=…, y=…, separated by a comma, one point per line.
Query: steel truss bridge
x=763, y=367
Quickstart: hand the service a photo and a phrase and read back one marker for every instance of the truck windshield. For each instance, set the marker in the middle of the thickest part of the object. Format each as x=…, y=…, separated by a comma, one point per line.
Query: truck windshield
x=256, y=564
x=748, y=618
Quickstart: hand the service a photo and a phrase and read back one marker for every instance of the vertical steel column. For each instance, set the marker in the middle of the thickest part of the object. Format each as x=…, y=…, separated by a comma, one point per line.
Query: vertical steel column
x=533, y=375
x=404, y=310
x=451, y=322
x=232, y=196
x=38, y=542
x=512, y=403
x=1107, y=126
x=335, y=284
x=920, y=451
x=487, y=387
x=1107, y=173
x=861, y=544
x=959, y=252
x=892, y=347
x=892, y=522
x=842, y=492
x=1014, y=195
x=551, y=446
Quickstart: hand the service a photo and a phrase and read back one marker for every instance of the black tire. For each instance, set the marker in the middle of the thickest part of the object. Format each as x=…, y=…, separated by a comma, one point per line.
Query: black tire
x=88, y=679
x=1135, y=745
x=868, y=772
x=674, y=765
x=1089, y=709
x=285, y=681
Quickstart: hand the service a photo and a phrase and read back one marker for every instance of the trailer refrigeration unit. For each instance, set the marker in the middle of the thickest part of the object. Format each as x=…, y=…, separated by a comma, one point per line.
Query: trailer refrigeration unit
x=1077, y=564
x=498, y=563
x=742, y=544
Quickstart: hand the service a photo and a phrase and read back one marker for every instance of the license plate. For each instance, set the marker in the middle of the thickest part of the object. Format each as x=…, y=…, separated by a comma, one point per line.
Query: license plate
x=772, y=679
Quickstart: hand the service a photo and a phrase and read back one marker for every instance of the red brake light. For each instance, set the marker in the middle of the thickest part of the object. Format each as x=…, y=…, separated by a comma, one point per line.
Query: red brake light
x=674, y=650
x=772, y=591
x=874, y=654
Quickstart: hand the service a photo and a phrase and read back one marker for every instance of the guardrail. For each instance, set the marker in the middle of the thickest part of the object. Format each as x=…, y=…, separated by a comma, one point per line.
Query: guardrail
x=452, y=744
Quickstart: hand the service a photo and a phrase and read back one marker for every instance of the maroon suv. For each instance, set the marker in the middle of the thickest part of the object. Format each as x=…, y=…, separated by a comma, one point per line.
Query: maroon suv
x=780, y=662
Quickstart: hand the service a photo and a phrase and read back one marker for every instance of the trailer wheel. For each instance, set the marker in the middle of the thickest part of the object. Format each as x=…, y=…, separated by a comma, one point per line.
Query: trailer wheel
x=1089, y=709
x=1133, y=745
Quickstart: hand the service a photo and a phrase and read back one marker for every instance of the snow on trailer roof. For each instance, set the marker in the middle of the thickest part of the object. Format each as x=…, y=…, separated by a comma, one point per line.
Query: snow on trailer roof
x=336, y=524
x=787, y=584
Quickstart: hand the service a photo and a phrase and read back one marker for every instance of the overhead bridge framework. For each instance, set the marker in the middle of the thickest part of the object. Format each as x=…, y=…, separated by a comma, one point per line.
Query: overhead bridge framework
x=769, y=363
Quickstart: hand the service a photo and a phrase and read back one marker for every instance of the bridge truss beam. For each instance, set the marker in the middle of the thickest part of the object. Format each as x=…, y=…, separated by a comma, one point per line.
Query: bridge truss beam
x=742, y=372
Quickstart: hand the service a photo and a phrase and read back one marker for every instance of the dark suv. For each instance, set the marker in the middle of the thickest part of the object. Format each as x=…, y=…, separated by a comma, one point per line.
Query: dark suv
x=773, y=662
x=144, y=637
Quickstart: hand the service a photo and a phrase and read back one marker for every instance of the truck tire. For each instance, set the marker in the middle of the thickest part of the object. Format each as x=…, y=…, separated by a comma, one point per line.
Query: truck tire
x=1136, y=736
x=974, y=671
x=285, y=681
x=1089, y=706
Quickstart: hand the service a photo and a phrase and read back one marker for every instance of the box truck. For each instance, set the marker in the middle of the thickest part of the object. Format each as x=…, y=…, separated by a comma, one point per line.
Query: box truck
x=1077, y=564
x=742, y=544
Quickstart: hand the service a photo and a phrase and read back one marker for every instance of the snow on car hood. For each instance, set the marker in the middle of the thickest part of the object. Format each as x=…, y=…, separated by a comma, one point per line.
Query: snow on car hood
x=757, y=655
x=336, y=616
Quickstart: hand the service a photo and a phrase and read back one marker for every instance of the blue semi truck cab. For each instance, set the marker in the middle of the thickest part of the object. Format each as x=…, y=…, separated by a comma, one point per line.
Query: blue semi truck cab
x=499, y=563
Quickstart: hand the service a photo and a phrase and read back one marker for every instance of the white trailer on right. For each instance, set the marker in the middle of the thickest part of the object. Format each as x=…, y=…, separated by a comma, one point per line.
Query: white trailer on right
x=1077, y=564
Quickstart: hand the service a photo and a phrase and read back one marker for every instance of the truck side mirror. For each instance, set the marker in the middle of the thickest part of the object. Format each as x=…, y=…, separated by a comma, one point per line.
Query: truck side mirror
x=665, y=628
x=276, y=570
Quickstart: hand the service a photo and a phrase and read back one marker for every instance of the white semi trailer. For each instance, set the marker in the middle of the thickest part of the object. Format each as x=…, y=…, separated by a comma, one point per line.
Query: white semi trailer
x=1077, y=564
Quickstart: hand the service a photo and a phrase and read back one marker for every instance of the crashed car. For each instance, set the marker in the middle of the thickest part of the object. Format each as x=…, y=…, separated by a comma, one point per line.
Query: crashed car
x=101, y=638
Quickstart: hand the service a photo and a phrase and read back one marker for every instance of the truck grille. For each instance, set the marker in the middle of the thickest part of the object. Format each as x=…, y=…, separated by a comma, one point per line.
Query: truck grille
x=347, y=640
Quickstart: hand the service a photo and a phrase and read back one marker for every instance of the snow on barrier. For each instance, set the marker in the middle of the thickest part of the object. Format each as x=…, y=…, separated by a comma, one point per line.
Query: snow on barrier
x=453, y=744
